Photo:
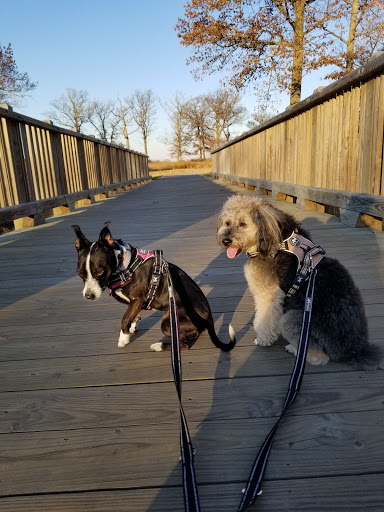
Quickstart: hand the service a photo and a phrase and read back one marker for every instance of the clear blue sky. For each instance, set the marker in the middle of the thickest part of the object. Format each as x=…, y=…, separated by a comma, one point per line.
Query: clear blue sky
x=110, y=49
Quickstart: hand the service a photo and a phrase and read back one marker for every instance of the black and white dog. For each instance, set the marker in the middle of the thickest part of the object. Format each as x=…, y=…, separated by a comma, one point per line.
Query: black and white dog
x=100, y=265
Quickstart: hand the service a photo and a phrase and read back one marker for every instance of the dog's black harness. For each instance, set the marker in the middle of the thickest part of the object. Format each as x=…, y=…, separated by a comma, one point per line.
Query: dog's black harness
x=139, y=256
x=308, y=256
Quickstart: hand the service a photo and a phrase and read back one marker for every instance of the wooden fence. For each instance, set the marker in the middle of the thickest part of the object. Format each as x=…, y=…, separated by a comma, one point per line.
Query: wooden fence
x=326, y=151
x=44, y=167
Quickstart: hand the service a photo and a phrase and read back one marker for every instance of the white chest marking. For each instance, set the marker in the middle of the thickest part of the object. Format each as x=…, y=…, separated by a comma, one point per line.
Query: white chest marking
x=122, y=296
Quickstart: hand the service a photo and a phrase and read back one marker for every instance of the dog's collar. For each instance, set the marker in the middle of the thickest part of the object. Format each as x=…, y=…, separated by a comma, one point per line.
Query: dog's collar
x=123, y=253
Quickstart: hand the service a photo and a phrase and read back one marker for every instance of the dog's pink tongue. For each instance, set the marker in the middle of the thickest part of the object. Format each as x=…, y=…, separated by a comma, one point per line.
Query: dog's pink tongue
x=232, y=252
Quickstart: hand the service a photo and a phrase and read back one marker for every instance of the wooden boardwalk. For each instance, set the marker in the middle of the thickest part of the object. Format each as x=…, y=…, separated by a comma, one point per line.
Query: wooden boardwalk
x=86, y=426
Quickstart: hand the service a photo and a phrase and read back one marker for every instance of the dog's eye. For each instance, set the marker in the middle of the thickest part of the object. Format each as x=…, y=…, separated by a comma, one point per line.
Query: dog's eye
x=242, y=224
x=99, y=272
x=227, y=223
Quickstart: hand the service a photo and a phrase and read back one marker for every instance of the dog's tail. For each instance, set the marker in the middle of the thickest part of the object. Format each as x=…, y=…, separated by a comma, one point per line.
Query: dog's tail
x=225, y=347
x=370, y=357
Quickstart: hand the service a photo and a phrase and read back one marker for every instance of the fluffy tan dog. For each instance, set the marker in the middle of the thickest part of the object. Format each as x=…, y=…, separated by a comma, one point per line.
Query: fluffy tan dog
x=339, y=328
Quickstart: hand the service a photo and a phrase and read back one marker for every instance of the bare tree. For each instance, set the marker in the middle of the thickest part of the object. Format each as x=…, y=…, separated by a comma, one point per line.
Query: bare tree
x=71, y=109
x=123, y=117
x=226, y=111
x=198, y=115
x=141, y=105
x=259, y=116
x=176, y=110
x=13, y=83
x=102, y=119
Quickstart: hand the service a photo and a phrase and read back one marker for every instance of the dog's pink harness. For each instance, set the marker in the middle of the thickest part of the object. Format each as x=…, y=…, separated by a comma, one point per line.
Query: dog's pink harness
x=302, y=248
x=124, y=274
x=308, y=256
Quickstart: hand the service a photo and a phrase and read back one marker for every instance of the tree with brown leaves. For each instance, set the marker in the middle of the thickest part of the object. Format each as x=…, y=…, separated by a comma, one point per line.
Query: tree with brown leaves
x=356, y=29
x=279, y=41
x=13, y=83
x=253, y=39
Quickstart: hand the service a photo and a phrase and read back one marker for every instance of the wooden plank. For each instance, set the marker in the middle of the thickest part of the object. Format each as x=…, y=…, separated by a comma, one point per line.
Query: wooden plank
x=378, y=137
x=84, y=408
x=131, y=367
x=130, y=457
x=316, y=494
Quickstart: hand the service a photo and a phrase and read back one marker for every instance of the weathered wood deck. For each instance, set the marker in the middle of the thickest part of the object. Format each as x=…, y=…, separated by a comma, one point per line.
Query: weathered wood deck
x=86, y=426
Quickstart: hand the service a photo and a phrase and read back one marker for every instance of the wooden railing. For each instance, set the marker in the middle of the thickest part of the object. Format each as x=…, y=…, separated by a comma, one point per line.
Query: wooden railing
x=45, y=167
x=325, y=151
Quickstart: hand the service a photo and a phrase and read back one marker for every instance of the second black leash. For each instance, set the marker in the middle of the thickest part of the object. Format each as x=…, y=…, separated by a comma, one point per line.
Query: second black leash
x=252, y=489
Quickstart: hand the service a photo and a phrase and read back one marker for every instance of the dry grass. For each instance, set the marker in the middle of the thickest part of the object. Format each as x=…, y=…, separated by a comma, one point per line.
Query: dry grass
x=163, y=168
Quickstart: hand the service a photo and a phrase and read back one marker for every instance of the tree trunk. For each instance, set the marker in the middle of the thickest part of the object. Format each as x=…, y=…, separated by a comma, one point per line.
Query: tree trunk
x=298, y=52
x=178, y=137
x=351, y=36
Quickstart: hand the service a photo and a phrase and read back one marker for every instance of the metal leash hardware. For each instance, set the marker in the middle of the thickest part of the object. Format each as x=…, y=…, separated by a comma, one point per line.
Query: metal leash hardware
x=155, y=279
x=252, y=489
x=191, y=498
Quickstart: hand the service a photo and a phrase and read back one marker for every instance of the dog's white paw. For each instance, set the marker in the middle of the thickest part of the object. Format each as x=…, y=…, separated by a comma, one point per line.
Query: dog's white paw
x=263, y=342
x=317, y=357
x=291, y=349
x=157, y=347
x=123, y=340
x=133, y=328
x=314, y=356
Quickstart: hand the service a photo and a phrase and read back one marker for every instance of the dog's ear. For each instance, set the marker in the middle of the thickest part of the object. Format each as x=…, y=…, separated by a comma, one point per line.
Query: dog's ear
x=81, y=240
x=268, y=230
x=105, y=236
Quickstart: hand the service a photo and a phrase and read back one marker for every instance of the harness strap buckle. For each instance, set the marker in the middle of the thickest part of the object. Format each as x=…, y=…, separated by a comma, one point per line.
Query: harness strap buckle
x=158, y=269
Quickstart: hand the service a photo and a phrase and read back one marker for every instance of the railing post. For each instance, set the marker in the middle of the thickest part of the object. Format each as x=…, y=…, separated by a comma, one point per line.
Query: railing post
x=13, y=148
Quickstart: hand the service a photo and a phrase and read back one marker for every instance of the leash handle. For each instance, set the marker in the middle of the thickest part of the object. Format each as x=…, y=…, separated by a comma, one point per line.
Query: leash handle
x=191, y=498
x=252, y=489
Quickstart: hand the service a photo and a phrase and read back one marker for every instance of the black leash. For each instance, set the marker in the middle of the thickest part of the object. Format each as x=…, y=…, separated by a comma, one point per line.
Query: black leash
x=191, y=498
x=252, y=489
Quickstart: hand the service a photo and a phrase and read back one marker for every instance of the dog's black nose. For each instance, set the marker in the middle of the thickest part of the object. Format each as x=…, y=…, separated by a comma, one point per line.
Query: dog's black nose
x=226, y=241
x=90, y=296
